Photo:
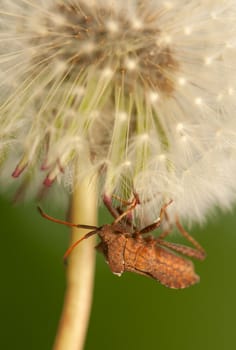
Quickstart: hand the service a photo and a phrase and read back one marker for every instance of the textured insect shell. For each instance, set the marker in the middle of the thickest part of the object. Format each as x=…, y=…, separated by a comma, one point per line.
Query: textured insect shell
x=112, y=245
x=144, y=256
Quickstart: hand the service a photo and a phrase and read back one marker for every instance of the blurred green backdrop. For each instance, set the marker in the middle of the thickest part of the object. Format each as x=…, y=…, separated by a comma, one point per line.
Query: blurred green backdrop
x=130, y=312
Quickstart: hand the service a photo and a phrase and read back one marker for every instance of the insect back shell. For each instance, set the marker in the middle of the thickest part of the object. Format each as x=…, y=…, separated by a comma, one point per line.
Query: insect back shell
x=125, y=251
x=112, y=245
x=145, y=256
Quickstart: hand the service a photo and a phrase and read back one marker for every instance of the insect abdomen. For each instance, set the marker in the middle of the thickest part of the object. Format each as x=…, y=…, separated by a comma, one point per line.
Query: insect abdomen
x=148, y=259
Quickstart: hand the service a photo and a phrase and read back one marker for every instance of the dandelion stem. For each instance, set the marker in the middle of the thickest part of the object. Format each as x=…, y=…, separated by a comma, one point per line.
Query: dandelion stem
x=80, y=272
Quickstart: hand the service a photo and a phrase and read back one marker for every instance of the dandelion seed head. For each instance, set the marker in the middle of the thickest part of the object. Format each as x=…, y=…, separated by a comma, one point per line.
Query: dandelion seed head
x=140, y=92
x=187, y=30
x=198, y=101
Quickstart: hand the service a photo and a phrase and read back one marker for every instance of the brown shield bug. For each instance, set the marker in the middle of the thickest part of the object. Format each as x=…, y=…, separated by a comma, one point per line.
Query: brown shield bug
x=128, y=249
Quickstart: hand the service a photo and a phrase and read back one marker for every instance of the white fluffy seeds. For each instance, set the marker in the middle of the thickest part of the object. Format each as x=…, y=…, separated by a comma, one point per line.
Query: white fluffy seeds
x=144, y=86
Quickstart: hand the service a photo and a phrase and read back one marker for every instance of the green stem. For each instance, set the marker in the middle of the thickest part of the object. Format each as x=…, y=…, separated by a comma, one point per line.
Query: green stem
x=80, y=272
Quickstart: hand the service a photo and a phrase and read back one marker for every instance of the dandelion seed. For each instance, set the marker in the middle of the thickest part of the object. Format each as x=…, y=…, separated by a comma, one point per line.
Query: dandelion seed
x=135, y=91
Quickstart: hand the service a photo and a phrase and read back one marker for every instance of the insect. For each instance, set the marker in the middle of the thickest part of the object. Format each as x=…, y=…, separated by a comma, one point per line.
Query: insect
x=128, y=249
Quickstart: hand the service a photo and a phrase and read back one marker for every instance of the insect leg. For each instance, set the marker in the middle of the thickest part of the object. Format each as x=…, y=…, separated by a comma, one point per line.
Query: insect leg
x=186, y=235
x=198, y=252
x=183, y=249
x=118, y=212
x=108, y=203
x=157, y=224
x=151, y=227
x=131, y=207
x=127, y=203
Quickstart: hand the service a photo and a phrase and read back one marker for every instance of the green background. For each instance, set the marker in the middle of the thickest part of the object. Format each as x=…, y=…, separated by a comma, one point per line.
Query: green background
x=130, y=312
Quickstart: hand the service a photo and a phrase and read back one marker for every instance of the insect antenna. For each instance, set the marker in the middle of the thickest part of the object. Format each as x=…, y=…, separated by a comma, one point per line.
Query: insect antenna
x=69, y=250
x=94, y=229
x=66, y=223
